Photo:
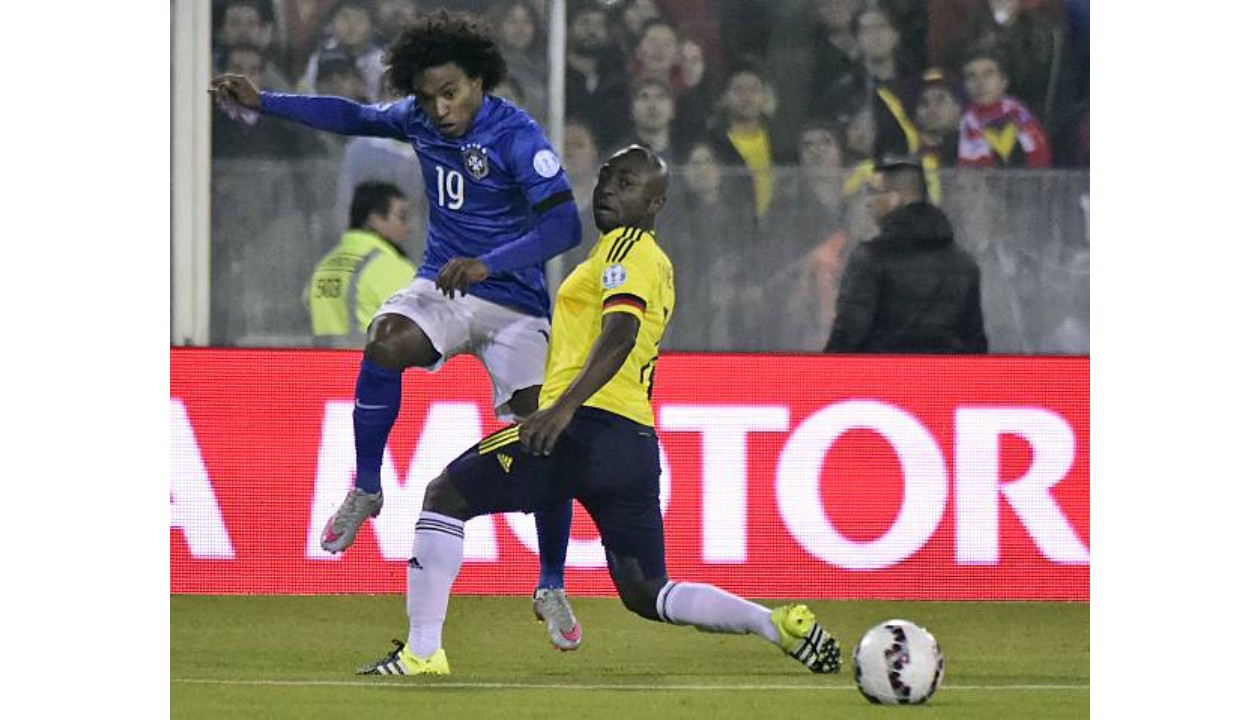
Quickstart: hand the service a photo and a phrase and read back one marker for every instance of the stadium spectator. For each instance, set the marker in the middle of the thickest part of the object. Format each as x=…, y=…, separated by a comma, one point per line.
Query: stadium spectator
x=581, y=162
x=883, y=81
x=595, y=87
x=520, y=36
x=302, y=23
x=253, y=23
x=350, y=33
x=652, y=118
x=996, y=129
x=481, y=289
x=703, y=22
x=937, y=114
x=631, y=20
x=714, y=209
x=255, y=136
x=857, y=131
x=366, y=267
x=743, y=137
x=910, y=289
x=910, y=17
x=656, y=55
x=695, y=99
x=243, y=22
x=392, y=17
x=338, y=74
x=1069, y=126
x=509, y=89
x=807, y=242
x=1026, y=35
x=834, y=44
x=592, y=440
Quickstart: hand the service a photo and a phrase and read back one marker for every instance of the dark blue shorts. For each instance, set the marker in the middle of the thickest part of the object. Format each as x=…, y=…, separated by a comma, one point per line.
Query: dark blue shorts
x=607, y=462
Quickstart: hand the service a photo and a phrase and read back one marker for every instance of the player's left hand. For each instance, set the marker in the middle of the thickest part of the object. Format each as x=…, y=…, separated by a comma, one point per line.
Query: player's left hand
x=541, y=431
x=458, y=273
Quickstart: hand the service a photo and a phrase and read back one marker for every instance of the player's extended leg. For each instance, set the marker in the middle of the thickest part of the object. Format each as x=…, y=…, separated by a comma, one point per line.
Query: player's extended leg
x=394, y=344
x=793, y=628
x=624, y=501
x=492, y=476
x=552, y=524
x=437, y=553
x=551, y=602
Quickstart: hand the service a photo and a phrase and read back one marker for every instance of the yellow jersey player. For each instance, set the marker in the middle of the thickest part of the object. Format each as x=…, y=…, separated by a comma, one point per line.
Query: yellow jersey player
x=592, y=440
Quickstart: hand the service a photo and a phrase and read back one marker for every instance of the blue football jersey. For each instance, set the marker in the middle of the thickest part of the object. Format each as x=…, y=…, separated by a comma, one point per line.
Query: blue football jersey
x=483, y=188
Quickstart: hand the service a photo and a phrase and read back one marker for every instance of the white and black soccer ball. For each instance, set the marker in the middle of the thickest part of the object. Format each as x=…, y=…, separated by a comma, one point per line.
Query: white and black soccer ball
x=898, y=663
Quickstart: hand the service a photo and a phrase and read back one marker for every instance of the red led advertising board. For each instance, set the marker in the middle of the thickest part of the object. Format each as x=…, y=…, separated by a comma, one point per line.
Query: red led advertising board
x=784, y=476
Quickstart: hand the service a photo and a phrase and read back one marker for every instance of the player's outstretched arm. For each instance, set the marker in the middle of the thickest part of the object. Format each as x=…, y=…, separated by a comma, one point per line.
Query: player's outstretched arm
x=540, y=431
x=322, y=112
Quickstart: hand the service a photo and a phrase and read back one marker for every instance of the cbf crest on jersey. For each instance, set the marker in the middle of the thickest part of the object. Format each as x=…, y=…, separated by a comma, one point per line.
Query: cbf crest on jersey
x=475, y=161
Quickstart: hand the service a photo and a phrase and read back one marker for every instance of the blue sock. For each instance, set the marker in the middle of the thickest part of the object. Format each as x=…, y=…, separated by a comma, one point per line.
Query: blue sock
x=552, y=524
x=377, y=396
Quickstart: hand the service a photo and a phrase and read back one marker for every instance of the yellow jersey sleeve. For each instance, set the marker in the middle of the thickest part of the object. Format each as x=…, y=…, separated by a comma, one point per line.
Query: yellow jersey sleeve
x=628, y=280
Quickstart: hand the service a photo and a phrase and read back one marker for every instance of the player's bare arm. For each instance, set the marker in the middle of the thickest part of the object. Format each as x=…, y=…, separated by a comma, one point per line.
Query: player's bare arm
x=236, y=89
x=540, y=431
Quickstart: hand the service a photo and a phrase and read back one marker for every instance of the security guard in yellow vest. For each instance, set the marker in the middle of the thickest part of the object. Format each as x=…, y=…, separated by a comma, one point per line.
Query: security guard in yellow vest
x=367, y=266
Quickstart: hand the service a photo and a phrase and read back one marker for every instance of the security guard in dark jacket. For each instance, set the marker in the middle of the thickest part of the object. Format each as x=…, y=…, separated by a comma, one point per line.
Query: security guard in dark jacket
x=911, y=289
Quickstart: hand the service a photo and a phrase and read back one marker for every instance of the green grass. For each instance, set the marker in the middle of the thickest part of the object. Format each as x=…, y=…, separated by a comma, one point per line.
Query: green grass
x=282, y=657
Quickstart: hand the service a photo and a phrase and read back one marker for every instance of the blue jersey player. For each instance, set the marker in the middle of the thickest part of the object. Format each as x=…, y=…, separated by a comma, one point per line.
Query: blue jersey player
x=500, y=206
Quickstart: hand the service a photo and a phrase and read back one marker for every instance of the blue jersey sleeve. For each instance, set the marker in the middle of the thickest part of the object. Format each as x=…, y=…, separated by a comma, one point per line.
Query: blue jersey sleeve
x=559, y=230
x=535, y=167
x=342, y=116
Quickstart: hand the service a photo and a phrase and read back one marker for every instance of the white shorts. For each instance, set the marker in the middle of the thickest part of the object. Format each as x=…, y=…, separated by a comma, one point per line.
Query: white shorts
x=510, y=344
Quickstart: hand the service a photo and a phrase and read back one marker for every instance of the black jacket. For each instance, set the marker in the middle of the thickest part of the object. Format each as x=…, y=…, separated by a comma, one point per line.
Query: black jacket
x=910, y=290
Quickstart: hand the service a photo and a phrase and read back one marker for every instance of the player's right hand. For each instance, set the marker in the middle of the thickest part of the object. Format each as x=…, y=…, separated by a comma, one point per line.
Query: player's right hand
x=458, y=273
x=235, y=90
x=541, y=431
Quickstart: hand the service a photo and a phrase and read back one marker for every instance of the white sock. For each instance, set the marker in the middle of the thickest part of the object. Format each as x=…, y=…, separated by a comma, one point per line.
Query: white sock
x=712, y=609
x=436, y=556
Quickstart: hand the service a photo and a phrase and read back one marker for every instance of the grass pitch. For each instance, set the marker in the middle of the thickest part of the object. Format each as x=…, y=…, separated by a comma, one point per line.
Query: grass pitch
x=294, y=657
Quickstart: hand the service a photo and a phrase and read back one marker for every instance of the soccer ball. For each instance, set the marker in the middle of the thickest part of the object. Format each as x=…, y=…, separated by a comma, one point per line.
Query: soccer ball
x=898, y=663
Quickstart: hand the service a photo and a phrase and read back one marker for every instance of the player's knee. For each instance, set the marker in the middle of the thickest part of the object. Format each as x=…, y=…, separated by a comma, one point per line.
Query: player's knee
x=385, y=354
x=397, y=343
x=442, y=497
x=638, y=595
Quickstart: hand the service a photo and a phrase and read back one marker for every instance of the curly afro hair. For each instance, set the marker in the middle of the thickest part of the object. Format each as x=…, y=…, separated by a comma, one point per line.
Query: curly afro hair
x=440, y=38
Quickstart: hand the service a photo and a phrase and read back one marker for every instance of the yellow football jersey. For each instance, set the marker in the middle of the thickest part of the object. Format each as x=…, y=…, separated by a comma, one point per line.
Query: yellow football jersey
x=626, y=272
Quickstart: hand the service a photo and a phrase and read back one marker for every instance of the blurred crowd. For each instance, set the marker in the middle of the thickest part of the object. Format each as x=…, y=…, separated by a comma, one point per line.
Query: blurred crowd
x=771, y=113
x=925, y=76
